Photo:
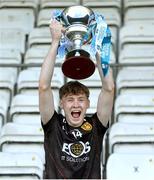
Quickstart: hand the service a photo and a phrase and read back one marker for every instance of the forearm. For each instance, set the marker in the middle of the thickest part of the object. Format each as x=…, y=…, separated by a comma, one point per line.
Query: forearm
x=106, y=96
x=107, y=81
x=48, y=66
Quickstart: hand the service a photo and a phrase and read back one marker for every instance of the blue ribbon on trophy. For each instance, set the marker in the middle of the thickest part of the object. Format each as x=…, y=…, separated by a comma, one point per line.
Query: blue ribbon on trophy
x=100, y=40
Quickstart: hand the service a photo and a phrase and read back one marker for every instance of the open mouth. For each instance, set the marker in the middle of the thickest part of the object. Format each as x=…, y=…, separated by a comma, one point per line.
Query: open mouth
x=75, y=114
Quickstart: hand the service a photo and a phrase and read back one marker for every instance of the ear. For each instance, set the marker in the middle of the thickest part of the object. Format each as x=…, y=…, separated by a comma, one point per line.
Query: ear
x=61, y=104
x=88, y=103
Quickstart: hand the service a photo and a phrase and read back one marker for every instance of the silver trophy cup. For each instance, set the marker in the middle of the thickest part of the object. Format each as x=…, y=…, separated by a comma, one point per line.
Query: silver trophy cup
x=77, y=64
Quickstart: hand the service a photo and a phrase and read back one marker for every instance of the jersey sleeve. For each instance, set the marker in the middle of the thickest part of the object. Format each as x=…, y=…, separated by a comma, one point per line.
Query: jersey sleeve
x=51, y=123
x=98, y=124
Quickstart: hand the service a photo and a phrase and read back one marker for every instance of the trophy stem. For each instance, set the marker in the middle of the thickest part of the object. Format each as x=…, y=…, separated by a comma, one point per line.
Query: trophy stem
x=77, y=43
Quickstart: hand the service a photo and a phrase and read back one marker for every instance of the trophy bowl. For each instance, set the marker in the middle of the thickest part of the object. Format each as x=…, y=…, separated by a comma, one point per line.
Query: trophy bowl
x=77, y=64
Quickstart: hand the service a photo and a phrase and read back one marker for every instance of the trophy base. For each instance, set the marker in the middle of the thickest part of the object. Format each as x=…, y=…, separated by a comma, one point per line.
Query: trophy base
x=78, y=67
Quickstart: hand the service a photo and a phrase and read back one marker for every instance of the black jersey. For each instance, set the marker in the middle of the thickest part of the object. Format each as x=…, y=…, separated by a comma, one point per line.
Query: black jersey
x=73, y=153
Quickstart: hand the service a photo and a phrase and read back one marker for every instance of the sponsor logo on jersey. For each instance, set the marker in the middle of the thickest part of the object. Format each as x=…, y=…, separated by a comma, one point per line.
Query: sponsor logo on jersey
x=76, y=149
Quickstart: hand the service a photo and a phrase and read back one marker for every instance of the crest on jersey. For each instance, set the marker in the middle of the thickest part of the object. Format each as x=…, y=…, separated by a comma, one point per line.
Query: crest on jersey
x=86, y=126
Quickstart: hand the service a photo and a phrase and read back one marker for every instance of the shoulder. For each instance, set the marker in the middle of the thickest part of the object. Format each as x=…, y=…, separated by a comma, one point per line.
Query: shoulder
x=53, y=122
x=95, y=122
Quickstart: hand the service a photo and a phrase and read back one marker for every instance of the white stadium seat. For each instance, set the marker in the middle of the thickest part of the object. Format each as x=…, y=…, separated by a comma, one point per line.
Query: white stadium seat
x=111, y=15
x=136, y=54
x=3, y=110
x=29, y=79
x=103, y=3
x=27, y=105
x=136, y=118
x=60, y=3
x=18, y=18
x=29, y=119
x=12, y=39
x=94, y=92
x=130, y=166
x=19, y=3
x=18, y=166
x=130, y=103
x=136, y=34
x=36, y=55
x=131, y=138
x=22, y=138
x=135, y=78
x=40, y=37
x=139, y=15
x=138, y=3
x=8, y=77
x=45, y=15
x=10, y=56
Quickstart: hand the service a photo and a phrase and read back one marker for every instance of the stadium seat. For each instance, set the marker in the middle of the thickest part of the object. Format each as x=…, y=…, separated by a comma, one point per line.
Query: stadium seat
x=111, y=15
x=136, y=35
x=22, y=138
x=13, y=39
x=137, y=3
x=29, y=79
x=130, y=166
x=130, y=103
x=19, y=3
x=139, y=15
x=103, y=3
x=24, y=104
x=60, y=3
x=29, y=119
x=136, y=118
x=36, y=55
x=131, y=138
x=17, y=18
x=3, y=110
x=138, y=78
x=10, y=56
x=20, y=166
x=136, y=54
x=39, y=37
x=7, y=85
x=44, y=16
x=27, y=105
x=94, y=92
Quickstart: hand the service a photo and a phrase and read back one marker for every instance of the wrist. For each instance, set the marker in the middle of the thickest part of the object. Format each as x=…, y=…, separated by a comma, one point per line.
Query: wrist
x=55, y=41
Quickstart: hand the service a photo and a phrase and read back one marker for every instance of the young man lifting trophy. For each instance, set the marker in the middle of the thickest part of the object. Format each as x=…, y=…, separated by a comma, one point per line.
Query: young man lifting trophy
x=73, y=140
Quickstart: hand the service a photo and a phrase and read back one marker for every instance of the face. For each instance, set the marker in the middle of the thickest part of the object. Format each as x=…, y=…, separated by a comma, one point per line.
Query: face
x=75, y=107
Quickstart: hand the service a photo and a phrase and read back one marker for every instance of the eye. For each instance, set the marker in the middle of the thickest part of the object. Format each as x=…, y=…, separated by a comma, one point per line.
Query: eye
x=69, y=99
x=81, y=99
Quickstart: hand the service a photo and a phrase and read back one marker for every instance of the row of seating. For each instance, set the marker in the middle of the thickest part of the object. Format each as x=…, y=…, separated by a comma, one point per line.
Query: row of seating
x=129, y=139
x=92, y=3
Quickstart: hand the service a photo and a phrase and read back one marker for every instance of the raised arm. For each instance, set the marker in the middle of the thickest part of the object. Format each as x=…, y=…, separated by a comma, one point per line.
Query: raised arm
x=46, y=101
x=106, y=96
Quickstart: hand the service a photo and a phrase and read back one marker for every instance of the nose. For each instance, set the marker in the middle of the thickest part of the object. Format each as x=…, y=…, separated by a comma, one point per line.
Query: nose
x=76, y=103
